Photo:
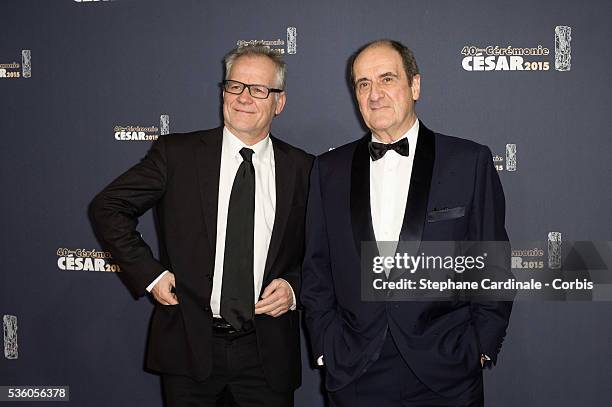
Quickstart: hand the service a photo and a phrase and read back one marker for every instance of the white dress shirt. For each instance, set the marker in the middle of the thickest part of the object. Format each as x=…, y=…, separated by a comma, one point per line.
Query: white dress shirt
x=265, y=209
x=389, y=184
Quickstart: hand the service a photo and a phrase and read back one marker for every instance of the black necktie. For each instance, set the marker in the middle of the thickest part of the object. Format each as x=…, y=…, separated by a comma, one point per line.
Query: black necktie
x=378, y=150
x=237, y=297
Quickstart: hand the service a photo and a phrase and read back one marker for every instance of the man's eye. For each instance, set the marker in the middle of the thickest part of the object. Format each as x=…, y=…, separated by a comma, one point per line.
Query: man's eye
x=363, y=85
x=258, y=90
x=235, y=87
x=387, y=79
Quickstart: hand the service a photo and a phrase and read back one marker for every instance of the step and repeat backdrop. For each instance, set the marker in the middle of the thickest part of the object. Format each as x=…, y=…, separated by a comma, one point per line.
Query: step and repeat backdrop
x=86, y=86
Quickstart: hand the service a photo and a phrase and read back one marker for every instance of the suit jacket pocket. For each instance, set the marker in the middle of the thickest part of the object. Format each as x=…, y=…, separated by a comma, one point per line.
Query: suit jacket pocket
x=446, y=214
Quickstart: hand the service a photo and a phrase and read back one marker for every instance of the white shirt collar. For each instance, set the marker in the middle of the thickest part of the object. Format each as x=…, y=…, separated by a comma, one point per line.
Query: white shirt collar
x=262, y=149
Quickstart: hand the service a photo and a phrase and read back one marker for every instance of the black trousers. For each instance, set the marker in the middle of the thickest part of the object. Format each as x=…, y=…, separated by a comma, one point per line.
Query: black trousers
x=237, y=379
x=389, y=382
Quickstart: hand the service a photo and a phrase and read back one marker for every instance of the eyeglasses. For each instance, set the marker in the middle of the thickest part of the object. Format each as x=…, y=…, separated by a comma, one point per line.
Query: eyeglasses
x=257, y=91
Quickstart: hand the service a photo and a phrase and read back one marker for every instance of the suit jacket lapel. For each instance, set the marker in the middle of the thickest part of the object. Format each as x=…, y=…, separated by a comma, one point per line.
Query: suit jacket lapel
x=361, y=215
x=418, y=195
x=208, y=161
x=284, y=174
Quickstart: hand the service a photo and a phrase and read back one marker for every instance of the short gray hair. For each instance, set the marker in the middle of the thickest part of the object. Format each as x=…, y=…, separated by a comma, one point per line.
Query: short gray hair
x=257, y=50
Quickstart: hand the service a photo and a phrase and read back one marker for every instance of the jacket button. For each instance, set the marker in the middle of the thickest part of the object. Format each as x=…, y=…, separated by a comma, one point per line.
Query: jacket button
x=209, y=277
x=206, y=308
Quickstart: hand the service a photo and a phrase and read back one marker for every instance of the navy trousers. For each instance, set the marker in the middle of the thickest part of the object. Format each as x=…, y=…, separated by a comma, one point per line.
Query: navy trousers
x=389, y=382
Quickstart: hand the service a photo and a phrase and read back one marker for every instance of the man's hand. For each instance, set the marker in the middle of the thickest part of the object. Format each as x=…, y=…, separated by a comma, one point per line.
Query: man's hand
x=277, y=298
x=162, y=290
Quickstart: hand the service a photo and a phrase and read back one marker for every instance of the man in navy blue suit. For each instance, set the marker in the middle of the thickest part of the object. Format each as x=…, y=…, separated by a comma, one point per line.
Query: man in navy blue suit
x=403, y=183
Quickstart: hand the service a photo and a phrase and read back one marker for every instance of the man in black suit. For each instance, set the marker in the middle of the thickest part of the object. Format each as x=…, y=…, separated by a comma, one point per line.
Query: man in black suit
x=230, y=205
x=401, y=183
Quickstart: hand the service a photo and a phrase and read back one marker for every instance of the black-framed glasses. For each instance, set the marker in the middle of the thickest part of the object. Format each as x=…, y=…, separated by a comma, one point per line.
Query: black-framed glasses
x=257, y=91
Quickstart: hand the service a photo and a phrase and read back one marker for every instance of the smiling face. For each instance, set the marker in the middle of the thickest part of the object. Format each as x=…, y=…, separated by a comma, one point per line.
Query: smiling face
x=385, y=97
x=248, y=118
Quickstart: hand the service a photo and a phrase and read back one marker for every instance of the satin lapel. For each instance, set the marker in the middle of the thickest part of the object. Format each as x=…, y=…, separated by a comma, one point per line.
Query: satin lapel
x=361, y=215
x=284, y=174
x=208, y=162
x=418, y=195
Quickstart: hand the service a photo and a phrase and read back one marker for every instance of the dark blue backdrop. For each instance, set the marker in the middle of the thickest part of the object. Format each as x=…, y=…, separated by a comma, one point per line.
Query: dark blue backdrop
x=100, y=67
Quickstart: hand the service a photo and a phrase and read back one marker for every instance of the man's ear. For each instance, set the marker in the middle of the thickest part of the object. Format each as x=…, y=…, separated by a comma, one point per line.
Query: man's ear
x=416, y=87
x=280, y=103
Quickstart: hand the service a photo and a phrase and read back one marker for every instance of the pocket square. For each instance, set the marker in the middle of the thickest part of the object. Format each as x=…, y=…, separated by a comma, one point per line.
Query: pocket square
x=445, y=214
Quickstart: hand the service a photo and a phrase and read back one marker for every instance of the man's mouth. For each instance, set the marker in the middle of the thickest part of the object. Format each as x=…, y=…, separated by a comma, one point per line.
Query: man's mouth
x=244, y=111
x=374, y=108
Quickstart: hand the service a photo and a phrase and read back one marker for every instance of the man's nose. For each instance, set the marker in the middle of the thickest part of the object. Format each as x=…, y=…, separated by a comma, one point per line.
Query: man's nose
x=375, y=92
x=245, y=96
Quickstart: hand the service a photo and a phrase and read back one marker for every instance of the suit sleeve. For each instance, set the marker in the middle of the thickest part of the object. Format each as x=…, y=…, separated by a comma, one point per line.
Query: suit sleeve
x=487, y=224
x=317, y=295
x=115, y=212
x=294, y=275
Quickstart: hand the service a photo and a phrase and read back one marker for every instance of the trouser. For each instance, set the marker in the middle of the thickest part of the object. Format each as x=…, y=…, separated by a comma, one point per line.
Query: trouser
x=389, y=382
x=237, y=378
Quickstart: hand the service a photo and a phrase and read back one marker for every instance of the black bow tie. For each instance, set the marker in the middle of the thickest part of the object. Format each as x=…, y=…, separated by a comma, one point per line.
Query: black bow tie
x=378, y=150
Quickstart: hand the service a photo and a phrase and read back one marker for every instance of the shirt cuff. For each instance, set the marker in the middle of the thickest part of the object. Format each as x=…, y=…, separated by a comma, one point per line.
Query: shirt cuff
x=293, y=307
x=150, y=286
x=320, y=361
x=487, y=361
